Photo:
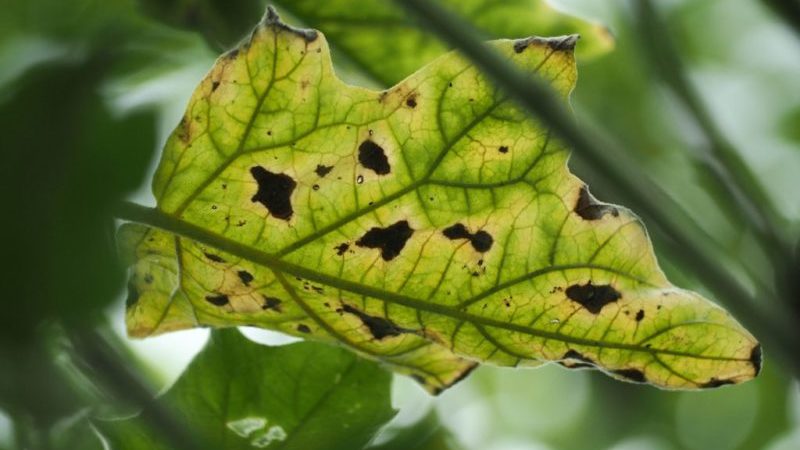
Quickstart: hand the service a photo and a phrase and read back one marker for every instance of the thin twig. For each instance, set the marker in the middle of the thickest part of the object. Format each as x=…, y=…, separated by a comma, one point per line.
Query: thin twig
x=722, y=163
x=788, y=10
x=647, y=198
x=94, y=349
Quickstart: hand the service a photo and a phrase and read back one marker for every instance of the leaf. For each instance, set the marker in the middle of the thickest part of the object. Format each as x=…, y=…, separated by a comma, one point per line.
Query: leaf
x=241, y=395
x=430, y=220
x=383, y=42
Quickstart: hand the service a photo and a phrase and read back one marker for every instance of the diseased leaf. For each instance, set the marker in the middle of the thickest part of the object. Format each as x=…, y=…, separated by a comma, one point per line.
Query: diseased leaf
x=241, y=395
x=384, y=43
x=430, y=226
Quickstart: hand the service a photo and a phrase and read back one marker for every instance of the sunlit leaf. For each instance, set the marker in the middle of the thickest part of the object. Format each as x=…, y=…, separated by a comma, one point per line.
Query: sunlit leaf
x=428, y=226
x=237, y=394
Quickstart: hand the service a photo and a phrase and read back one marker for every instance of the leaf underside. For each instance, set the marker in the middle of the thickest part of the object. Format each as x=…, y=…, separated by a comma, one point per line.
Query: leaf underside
x=432, y=226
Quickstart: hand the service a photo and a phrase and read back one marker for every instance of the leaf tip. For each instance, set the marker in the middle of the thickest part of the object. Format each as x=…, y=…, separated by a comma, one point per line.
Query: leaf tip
x=273, y=19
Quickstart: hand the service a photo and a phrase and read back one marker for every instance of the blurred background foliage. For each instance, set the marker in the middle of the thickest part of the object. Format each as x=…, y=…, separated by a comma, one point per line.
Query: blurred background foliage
x=89, y=89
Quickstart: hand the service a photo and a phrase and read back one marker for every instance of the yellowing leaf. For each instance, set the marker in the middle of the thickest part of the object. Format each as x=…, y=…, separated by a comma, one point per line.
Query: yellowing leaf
x=430, y=226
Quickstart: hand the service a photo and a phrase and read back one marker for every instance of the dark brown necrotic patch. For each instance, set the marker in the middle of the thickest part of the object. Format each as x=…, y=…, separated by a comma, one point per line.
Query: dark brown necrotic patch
x=590, y=209
x=245, y=276
x=575, y=360
x=217, y=299
x=378, y=327
x=755, y=358
x=634, y=375
x=372, y=156
x=271, y=303
x=411, y=102
x=341, y=248
x=303, y=328
x=322, y=170
x=213, y=257
x=640, y=315
x=592, y=297
x=274, y=192
x=389, y=240
x=133, y=295
x=715, y=383
x=481, y=240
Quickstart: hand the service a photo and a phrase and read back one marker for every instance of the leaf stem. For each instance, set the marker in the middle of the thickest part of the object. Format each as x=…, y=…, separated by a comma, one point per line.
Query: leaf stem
x=94, y=349
x=644, y=196
x=788, y=10
x=723, y=162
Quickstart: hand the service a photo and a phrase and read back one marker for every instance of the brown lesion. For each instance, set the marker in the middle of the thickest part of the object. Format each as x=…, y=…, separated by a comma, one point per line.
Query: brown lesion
x=390, y=240
x=588, y=208
x=592, y=297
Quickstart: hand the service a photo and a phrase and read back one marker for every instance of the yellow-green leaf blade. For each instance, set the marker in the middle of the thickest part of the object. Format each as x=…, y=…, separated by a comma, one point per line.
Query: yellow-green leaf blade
x=429, y=225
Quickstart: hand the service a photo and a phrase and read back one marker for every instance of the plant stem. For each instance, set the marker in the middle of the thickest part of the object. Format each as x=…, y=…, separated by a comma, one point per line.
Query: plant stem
x=723, y=163
x=788, y=10
x=94, y=349
x=644, y=196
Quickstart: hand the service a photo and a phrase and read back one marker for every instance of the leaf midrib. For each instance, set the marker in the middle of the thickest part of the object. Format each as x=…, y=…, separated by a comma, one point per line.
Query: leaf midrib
x=158, y=219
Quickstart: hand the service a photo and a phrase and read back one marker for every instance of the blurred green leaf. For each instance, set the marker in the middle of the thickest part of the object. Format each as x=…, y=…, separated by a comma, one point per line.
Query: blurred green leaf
x=67, y=160
x=426, y=434
x=376, y=37
x=237, y=394
x=384, y=43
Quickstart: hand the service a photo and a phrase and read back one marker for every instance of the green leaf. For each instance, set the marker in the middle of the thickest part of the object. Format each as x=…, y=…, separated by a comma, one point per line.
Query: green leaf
x=241, y=395
x=430, y=226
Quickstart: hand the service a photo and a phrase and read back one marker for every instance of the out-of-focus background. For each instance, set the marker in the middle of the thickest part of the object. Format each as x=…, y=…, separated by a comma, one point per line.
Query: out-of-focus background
x=111, y=76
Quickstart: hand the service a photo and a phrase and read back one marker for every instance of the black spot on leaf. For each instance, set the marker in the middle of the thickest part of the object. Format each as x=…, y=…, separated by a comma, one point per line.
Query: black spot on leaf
x=274, y=192
x=322, y=170
x=214, y=86
x=481, y=241
x=271, y=303
x=213, y=257
x=575, y=360
x=341, y=248
x=755, y=358
x=389, y=240
x=372, y=156
x=715, y=383
x=303, y=328
x=640, y=315
x=592, y=297
x=590, y=209
x=503, y=149
x=133, y=295
x=218, y=299
x=634, y=375
x=245, y=276
x=411, y=102
x=520, y=45
x=378, y=327
x=457, y=231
